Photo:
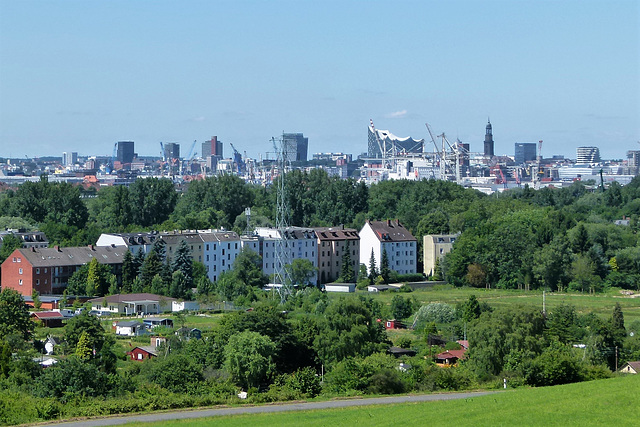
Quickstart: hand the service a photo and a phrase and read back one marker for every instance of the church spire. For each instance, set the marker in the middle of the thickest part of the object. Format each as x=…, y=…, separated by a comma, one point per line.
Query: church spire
x=488, y=140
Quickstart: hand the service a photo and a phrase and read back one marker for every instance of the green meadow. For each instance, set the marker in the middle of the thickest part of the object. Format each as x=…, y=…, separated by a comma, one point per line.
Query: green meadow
x=601, y=304
x=613, y=402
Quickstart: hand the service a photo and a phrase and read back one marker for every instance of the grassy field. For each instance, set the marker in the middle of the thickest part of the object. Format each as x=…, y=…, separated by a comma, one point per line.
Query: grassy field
x=601, y=304
x=596, y=403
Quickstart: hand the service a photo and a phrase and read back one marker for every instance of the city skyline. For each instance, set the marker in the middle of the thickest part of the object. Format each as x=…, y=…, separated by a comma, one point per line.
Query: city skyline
x=78, y=77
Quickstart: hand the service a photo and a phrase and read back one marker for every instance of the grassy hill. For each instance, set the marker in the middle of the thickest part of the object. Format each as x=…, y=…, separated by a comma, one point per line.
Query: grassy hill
x=596, y=403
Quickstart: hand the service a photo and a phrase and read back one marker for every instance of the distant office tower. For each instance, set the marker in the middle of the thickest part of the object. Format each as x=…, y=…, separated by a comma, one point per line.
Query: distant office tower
x=488, y=141
x=69, y=159
x=297, y=146
x=392, y=144
x=633, y=158
x=125, y=151
x=213, y=147
x=525, y=152
x=171, y=151
x=586, y=155
x=464, y=157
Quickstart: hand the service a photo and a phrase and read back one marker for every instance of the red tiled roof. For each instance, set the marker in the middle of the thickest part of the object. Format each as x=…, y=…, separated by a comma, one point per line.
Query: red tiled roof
x=450, y=354
x=463, y=343
x=391, y=231
x=47, y=315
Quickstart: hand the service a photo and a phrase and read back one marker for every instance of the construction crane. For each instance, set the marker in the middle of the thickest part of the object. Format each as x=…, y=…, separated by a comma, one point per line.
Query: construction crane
x=536, y=177
x=237, y=159
x=191, y=149
x=113, y=158
x=382, y=145
x=497, y=170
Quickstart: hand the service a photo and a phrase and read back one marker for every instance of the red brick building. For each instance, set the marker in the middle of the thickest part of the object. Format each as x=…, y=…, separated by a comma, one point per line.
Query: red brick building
x=47, y=270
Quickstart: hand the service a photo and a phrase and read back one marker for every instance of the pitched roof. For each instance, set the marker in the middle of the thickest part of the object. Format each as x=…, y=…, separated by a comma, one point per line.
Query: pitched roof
x=450, y=354
x=635, y=365
x=391, y=231
x=219, y=236
x=463, y=343
x=128, y=323
x=47, y=315
x=147, y=349
x=336, y=233
x=57, y=257
x=126, y=298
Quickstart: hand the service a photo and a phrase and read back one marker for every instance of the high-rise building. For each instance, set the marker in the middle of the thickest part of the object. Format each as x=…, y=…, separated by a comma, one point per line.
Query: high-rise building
x=525, y=152
x=633, y=158
x=213, y=147
x=297, y=146
x=488, y=141
x=171, y=151
x=125, y=152
x=585, y=155
x=69, y=159
x=391, y=143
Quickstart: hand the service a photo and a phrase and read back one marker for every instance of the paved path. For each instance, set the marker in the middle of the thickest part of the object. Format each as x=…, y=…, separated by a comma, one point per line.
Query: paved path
x=304, y=406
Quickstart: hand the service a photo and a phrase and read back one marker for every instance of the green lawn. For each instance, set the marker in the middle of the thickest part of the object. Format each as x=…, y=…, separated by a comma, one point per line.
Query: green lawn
x=597, y=403
x=601, y=304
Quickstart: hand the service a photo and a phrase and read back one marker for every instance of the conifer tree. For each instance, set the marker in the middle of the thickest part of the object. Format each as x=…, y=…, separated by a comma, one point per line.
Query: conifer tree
x=83, y=348
x=184, y=262
x=373, y=271
x=129, y=271
x=346, y=270
x=385, y=272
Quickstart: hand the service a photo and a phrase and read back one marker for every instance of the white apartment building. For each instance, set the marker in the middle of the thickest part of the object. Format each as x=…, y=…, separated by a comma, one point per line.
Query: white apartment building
x=221, y=248
x=299, y=243
x=393, y=237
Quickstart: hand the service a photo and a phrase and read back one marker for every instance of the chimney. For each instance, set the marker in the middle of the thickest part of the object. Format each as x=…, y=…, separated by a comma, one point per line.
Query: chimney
x=91, y=247
x=389, y=223
x=57, y=248
x=33, y=249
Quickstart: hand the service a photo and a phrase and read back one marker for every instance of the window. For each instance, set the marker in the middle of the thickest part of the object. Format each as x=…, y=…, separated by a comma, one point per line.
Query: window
x=20, y=282
x=45, y=281
x=236, y=246
x=15, y=259
x=45, y=271
x=19, y=271
x=228, y=245
x=139, y=356
x=207, y=257
x=207, y=246
x=19, y=259
x=37, y=271
x=37, y=281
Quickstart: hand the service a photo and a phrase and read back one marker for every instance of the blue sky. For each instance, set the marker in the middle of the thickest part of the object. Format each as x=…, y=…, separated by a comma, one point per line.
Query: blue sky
x=81, y=75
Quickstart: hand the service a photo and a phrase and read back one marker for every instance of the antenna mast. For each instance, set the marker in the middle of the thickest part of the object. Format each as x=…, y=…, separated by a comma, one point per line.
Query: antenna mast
x=282, y=253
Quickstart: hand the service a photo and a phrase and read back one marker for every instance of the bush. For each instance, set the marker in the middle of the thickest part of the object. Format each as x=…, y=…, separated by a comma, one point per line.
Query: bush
x=386, y=381
x=435, y=312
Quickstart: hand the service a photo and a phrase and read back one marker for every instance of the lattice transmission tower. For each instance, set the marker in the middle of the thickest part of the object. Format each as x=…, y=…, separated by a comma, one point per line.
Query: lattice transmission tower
x=281, y=277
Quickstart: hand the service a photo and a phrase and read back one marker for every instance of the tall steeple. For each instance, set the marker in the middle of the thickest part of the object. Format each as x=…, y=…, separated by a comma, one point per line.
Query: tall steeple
x=488, y=141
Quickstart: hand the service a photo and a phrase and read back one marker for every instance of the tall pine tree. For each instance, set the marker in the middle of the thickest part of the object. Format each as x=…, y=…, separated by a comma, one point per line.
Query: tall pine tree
x=184, y=262
x=385, y=272
x=129, y=272
x=373, y=271
x=347, y=275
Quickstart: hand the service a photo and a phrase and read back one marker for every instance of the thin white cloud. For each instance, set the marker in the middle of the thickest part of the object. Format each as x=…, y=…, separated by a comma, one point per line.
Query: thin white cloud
x=396, y=114
x=198, y=119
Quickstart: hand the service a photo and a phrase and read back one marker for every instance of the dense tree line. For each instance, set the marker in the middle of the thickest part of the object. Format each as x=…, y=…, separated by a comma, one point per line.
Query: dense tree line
x=552, y=238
